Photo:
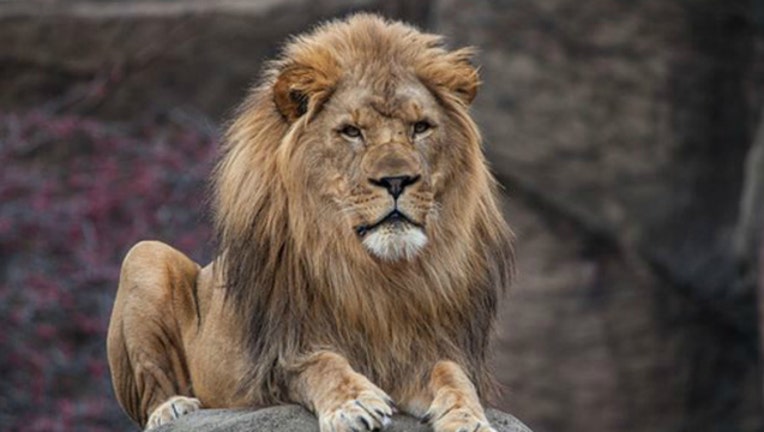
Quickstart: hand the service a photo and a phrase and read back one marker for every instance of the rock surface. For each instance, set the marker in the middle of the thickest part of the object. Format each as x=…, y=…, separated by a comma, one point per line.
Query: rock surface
x=126, y=60
x=621, y=131
x=296, y=419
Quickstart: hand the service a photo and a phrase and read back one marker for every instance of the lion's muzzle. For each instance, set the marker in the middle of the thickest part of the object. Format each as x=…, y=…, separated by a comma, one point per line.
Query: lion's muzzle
x=393, y=237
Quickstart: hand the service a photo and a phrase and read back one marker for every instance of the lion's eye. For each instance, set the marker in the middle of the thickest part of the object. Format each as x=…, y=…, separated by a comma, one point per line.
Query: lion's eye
x=421, y=127
x=350, y=131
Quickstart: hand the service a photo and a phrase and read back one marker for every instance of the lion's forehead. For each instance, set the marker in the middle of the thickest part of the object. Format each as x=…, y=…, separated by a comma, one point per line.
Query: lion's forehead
x=365, y=106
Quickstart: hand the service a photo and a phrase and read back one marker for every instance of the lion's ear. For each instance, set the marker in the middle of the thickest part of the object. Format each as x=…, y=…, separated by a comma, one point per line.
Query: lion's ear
x=453, y=73
x=299, y=89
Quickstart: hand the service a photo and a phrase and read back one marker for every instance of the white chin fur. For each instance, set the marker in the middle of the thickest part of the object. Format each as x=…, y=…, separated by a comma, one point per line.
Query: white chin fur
x=394, y=243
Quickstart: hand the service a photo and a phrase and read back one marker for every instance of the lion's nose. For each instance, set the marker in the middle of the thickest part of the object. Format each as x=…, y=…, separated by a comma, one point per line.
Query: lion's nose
x=395, y=185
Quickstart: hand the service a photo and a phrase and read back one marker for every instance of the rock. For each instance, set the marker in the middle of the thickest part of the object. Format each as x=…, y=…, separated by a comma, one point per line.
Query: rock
x=622, y=142
x=293, y=418
x=750, y=227
x=122, y=59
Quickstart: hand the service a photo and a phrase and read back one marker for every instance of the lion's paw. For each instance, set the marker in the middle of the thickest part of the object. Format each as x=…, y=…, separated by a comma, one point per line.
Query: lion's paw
x=370, y=411
x=457, y=420
x=173, y=408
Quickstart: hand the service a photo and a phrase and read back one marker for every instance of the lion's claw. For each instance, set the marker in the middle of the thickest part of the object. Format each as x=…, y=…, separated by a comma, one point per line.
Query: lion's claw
x=368, y=412
x=173, y=408
x=457, y=420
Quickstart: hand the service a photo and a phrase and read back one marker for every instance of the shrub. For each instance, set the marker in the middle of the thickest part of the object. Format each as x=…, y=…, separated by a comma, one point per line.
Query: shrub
x=76, y=193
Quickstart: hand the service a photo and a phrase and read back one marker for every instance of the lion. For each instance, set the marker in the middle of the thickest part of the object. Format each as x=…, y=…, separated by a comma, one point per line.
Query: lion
x=361, y=248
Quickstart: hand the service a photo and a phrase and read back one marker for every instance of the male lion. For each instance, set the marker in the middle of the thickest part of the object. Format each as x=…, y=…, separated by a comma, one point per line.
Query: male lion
x=361, y=248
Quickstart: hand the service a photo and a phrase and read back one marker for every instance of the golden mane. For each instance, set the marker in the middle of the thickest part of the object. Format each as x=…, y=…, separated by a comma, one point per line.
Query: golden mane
x=296, y=290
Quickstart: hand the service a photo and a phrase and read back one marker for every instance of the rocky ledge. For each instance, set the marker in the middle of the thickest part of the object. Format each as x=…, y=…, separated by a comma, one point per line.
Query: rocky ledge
x=296, y=419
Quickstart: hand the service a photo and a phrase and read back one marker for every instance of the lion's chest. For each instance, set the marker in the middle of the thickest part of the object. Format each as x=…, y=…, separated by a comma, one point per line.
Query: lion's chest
x=393, y=339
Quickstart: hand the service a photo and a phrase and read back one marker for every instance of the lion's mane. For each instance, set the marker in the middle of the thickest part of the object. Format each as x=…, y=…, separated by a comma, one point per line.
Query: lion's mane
x=297, y=291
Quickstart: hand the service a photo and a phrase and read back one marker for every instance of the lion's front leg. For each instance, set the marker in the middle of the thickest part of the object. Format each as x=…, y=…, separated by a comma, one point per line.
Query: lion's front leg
x=342, y=399
x=154, y=308
x=455, y=406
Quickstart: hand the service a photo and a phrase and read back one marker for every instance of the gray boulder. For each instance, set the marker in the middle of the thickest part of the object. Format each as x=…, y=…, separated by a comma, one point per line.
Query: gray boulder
x=297, y=419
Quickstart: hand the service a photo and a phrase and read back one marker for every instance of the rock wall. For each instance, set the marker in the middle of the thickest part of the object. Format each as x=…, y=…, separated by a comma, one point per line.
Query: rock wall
x=620, y=130
x=123, y=60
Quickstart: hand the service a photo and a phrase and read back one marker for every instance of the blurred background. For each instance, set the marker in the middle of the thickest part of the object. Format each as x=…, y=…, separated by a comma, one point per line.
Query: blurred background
x=628, y=136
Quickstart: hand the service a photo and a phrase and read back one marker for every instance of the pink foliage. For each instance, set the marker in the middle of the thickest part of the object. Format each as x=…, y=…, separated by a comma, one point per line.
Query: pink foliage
x=76, y=193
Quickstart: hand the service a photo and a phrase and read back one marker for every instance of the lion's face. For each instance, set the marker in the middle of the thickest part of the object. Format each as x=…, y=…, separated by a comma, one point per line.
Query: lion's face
x=377, y=159
x=367, y=124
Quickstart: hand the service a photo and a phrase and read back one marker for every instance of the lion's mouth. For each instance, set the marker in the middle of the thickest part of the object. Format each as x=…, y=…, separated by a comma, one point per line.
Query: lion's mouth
x=394, y=218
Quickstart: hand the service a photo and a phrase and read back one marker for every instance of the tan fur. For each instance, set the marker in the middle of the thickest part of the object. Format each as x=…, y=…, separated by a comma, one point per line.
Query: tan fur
x=309, y=300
